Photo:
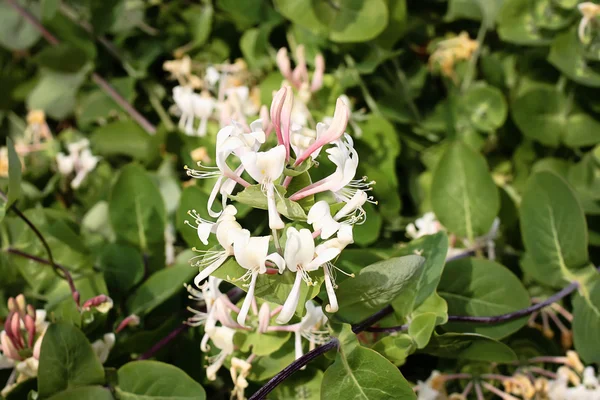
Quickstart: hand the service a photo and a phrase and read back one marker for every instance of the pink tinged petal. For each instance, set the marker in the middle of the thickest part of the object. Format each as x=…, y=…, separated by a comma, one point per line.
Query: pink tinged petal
x=206, y=272
x=264, y=317
x=241, y=318
x=276, y=107
x=38, y=347
x=333, y=304
x=283, y=63
x=286, y=120
x=30, y=327
x=16, y=335
x=317, y=80
x=300, y=73
x=275, y=221
x=289, y=307
x=329, y=183
x=298, y=344
x=8, y=348
x=334, y=132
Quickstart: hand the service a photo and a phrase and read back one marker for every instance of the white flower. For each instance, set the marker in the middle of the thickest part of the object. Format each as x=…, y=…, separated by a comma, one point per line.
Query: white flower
x=222, y=338
x=28, y=367
x=203, y=106
x=300, y=258
x=251, y=254
x=310, y=328
x=80, y=160
x=590, y=11
x=225, y=229
x=301, y=137
x=212, y=76
x=319, y=215
x=102, y=347
x=426, y=225
x=432, y=388
x=341, y=182
x=184, y=99
x=240, y=369
x=265, y=168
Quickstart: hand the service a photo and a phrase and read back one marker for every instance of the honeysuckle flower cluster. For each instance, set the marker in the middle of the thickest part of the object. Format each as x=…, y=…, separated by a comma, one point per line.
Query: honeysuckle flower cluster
x=550, y=315
x=589, y=12
x=21, y=341
x=306, y=251
x=224, y=94
x=429, y=225
x=218, y=316
x=80, y=161
x=448, y=52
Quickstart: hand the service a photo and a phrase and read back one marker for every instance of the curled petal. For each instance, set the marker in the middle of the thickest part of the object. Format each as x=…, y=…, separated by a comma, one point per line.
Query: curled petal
x=289, y=307
x=241, y=319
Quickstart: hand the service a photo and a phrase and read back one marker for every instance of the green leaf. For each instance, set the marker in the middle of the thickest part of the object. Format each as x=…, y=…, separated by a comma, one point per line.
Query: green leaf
x=344, y=20
x=158, y=288
x=63, y=57
x=469, y=346
x=421, y=328
x=395, y=348
x=517, y=24
x=434, y=249
x=377, y=285
x=123, y=267
x=360, y=373
x=566, y=54
x=84, y=393
x=397, y=26
x=266, y=367
x=463, y=194
x=104, y=15
x=123, y=138
x=485, y=107
x=16, y=32
x=136, y=208
x=255, y=197
x=55, y=92
x=586, y=323
x=95, y=106
x=477, y=10
x=67, y=361
x=261, y=344
x=553, y=227
x=14, y=175
x=146, y=380
x=482, y=288
x=193, y=198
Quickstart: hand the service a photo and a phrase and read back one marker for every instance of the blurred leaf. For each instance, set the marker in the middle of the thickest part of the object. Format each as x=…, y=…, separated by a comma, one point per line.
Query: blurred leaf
x=469, y=346
x=123, y=267
x=344, y=21
x=485, y=107
x=67, y=361
x=255, y=197
x=421, y=328
x=482, y=288
x=566, y=54
x=395, y=348
x=55, y=92
x=136, y=208
x=63, y=57
x=478, y=10
x=95, y=106
x=123, y=138
x=158, y=288
x=305, y=385
x=463, y=194
x=14, y=175
x=146, y=380
x=16, y=33
x=517, y=24
x=586, y=322
x=104, y=14
x=553, y=227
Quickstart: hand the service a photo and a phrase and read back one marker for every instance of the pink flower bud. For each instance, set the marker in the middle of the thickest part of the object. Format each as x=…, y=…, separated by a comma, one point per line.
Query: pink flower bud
x=30, y=326
x=12, y=305
x=31, y=311
x=334, y=132
x=132, y=320
x=276, y=107
x=300, y=74
x=317, y=80
x=102, y=303
x=21, y=303
x=264, y=317
x=15, y=333
x=283, y=62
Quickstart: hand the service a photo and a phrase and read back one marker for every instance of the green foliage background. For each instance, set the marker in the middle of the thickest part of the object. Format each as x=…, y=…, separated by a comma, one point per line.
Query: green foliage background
x=513, y=133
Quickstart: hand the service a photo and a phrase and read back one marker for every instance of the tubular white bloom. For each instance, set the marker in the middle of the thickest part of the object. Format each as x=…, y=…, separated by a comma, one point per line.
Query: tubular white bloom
x=341, y=182
x=426, y=225
x=311, y=328
x=240, y=369
x=222, y=338
x=300, y=258
x=319, y=216
x=251, y=254
x=184, y=99
x=589, y=11
x=301, y=138
x=210, y=260
x=265, y=168
x=212, y=76
x=102, y=347
x=80, y=161
x=203, y=107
